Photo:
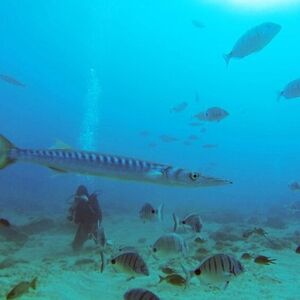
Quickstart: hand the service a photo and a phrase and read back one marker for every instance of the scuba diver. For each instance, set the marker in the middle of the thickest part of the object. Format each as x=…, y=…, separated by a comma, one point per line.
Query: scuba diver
x=86, y=212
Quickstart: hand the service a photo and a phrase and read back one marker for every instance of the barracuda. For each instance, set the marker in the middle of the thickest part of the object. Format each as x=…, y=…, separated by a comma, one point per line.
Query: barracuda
x=104, y=165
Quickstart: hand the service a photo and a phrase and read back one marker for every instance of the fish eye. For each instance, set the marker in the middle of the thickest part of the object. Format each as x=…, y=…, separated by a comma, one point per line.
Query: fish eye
x=153, y=211
x=197, y=271
x=183, y=222
x=154, y=249
x=113, y=261
x=194, y=175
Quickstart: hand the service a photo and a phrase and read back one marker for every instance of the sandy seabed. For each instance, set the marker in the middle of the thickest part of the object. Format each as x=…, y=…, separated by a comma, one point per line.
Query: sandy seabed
x=65, y=275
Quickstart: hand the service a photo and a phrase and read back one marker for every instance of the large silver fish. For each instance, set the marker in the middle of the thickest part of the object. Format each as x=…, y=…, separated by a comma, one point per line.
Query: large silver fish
x=111, y=166
x=254, y=40
x=219, y=268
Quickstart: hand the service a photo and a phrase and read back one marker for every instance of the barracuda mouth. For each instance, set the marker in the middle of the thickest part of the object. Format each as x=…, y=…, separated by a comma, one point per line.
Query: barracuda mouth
x=212, y=181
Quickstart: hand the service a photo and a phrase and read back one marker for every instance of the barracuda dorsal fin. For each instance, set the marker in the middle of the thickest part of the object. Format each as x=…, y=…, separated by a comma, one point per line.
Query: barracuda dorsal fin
x=58, y=170
x=59, y=144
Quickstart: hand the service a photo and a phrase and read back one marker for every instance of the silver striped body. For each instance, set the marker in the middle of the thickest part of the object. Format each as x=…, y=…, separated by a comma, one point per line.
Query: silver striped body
x=219, y=268
x=93, y=163
x=140, y=294
x=131, y=263
x=194, y=221
x=169, y=246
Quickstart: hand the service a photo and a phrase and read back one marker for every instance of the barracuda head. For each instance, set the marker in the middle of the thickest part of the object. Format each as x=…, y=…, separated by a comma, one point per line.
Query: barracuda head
x=196, y=179
x=185, y=178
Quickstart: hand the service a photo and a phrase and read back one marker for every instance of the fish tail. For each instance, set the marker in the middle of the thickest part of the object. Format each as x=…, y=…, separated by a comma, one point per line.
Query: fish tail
x=160, y=212
x=279, y=95
x=5, y=147
x=176, y=222
x=161, y=279
x=33, y=283
x=227, y=58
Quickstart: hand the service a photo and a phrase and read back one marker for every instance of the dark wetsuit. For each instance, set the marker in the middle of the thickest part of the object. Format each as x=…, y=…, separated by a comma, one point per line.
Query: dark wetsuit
x=88, y=216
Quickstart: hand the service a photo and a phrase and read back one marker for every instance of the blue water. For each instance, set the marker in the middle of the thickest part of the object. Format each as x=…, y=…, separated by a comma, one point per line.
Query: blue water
x=148, y=57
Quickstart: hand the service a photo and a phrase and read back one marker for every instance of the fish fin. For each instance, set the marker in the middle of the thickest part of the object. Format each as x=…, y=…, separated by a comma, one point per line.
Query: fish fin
x=33, y=283
x=226, y=284
x=5, y=147
x=59, y=144
x=58, y=170
x=155, y=173
x=102, y=265
x=279, y=95
x=161, y=279
x=187, y=276
x=227, y=58
x=160, y=212
x=176, y=222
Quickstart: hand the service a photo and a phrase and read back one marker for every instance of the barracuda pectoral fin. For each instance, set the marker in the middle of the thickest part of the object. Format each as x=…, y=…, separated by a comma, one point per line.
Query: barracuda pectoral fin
x=155, y=173
x=57, y=170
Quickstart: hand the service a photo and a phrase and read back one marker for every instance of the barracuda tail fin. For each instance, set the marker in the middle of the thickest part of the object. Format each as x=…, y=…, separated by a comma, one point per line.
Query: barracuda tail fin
x=5, y=147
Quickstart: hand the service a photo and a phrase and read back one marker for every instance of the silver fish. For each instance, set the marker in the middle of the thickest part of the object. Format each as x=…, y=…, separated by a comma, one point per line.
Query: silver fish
x=219, y=268
x=111, y=166
x=179, y=107
x=253, y=40
x=140, y=294
x=291, y=90
x=170, y=245
x=167, y=138
x=213, y=114
x=131, y=263
x=149, y=213
x=11, y=80
x=192, y=220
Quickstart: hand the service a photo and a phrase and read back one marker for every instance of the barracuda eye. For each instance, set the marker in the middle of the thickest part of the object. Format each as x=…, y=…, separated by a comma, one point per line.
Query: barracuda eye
x=113, y=261
x=154, y=249
x=194, y=175
x=153, y=211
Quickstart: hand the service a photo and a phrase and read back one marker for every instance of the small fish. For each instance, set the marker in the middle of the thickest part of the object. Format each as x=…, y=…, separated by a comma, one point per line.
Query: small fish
x=170, y=245
x=168, y=139
x=174, y=279
x=264, y=260
x=140, y=294
x=254, y=40
x=199, y=240
x=192, y=220
x=167, y=270
x=11, y=80
x=128, y=249
x=219, y=268
x=144, y=133
x=294, y=186
x=193, y=137
x=298, y=249
x=149, y=213
x=187, y=143
x=246, y=256
x=291, y=90
x=198, y=24
x=152, y=145
x=131, y=263
x=4, y=223
x=257, y=231
x=21, y=288
x=209, y=146
x=213, y=114
x=293, y=207
x=179, y=107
